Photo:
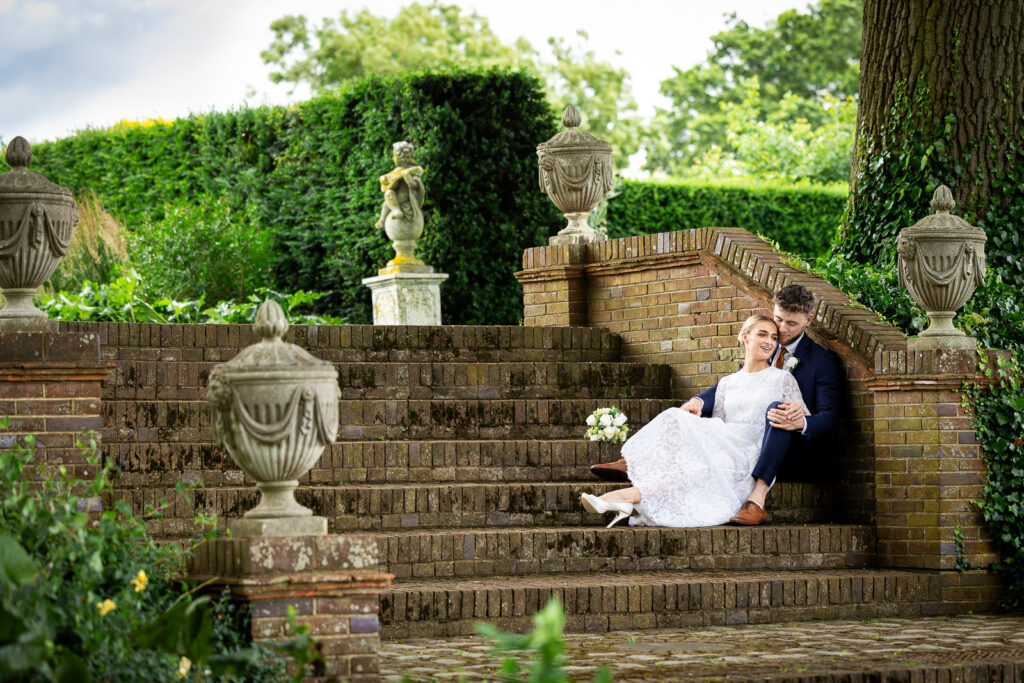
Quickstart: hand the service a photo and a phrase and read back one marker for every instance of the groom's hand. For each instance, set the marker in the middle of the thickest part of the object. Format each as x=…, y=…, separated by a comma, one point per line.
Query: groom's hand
x=788, y=416
x=693, y=406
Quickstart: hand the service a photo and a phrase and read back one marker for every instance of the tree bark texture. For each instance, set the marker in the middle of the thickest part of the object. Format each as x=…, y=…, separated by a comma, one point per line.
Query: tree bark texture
x=969, y=54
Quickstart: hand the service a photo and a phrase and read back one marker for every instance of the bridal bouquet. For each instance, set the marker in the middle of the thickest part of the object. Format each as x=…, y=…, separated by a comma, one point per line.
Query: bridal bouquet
x=607, y=424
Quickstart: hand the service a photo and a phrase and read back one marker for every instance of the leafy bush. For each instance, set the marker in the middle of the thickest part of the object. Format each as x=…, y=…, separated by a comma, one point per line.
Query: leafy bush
x=82, y=595
x=123, y=300
x=801, y=218
x=782, y=144
x=98, y=248
x=203, y=249
x=999, y=423
x=309, y=173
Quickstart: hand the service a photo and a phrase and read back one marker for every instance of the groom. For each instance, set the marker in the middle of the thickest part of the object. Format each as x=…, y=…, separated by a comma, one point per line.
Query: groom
x=793, y=444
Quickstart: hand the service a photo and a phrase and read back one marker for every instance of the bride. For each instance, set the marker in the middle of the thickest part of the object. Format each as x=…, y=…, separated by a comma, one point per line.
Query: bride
x=688, y=471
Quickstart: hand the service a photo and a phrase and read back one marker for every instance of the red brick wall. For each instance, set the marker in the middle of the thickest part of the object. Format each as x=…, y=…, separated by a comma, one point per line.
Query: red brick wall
x=50, y=386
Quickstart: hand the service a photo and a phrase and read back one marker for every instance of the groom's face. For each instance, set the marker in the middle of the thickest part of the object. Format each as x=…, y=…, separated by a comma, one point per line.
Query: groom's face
x=791, y=324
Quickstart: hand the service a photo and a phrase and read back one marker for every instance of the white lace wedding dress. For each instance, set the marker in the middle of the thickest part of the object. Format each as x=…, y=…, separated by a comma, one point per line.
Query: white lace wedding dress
x=694, y=471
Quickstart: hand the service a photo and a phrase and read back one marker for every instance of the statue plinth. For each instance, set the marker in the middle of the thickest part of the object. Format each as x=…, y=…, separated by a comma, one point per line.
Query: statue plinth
x=406, y=298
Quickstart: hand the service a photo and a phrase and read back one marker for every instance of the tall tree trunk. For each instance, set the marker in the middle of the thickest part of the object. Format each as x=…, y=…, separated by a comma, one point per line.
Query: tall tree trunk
x=967, y=58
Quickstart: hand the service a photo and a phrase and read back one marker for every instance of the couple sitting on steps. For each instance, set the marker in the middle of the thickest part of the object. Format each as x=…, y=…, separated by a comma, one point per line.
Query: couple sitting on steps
x=778, y=413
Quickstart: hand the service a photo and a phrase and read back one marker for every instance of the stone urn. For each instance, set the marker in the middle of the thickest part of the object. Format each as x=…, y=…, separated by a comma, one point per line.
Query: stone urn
x=941, y=263
x=275, y=409
x=36, y=219
x=575, y=171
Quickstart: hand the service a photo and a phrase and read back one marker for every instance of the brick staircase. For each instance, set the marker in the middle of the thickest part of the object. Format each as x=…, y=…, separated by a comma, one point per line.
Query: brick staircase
x=461, y=449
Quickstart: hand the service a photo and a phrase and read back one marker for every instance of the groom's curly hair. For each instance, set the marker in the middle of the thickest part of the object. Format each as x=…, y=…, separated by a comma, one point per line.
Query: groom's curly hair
x=795, y=299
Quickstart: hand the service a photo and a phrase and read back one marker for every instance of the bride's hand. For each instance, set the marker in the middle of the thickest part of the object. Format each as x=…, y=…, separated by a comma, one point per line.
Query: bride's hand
x=693, y=406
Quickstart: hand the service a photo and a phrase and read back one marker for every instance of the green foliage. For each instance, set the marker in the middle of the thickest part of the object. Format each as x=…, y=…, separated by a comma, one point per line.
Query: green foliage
x=800, y=218
x=998, y=415
x=86, y=594
x=124, y=300
x=310, y=173
x=810, y=55
x=98, y=248
x=203, y=249
x=439, y=36
x=782, y=145
x=545, y=643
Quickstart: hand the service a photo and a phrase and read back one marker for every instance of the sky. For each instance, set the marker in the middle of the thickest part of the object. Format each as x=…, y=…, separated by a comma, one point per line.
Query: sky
x=66, y=65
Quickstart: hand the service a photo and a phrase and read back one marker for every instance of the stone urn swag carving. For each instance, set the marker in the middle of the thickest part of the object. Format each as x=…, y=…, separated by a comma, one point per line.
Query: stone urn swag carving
x=36, y=220
x=941, y=263
x=275, y=409
x=575, y=171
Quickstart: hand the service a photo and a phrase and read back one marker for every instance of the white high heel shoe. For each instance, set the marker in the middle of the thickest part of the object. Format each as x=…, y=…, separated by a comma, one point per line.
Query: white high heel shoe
x=594, y=504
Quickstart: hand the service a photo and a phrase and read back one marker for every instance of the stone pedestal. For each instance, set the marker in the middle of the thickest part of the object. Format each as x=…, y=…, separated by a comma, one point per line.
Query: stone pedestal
x=332, y=582
x=406, y=298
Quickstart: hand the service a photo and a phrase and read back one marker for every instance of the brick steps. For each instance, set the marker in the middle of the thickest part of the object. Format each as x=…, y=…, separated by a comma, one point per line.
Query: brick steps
x=538, y=550
x=179, y=421
x=380, y=461
x=616, y=601
x=375, y=507
x=437, y=380
x=507, y=380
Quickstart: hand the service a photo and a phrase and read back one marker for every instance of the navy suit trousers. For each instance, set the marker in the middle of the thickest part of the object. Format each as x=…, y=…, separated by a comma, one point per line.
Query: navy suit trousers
x=774, y=447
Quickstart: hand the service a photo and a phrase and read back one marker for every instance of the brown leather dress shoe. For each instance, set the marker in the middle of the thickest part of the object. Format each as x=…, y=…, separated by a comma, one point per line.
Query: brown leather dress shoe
x=751, y=514
x=612, y=471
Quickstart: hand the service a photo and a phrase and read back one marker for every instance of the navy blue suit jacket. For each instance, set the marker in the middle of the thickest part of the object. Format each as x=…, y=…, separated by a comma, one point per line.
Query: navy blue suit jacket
x=820, y=378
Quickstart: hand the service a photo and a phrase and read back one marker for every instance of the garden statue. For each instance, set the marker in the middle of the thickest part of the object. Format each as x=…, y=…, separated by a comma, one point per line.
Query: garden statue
x=575, y=170
x=275, y=409
x=406, y=291
x=401, y=215
x=941, y=262
x=36, y=220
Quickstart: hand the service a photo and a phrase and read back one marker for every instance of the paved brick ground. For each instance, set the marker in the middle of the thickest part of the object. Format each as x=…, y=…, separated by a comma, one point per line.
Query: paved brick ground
x=973, y=647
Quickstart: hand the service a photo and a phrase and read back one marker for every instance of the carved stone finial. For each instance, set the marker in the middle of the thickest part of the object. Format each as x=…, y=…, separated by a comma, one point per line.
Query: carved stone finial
x=575, y=171
x=571, y=117
x=942, y=200
x=941, y=262
x=36, y=220
x=19, y=154
x=275, y=409
x=271, y=323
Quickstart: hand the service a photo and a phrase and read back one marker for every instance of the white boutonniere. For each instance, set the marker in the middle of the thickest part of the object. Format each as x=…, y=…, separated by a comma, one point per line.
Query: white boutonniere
x=791, y=363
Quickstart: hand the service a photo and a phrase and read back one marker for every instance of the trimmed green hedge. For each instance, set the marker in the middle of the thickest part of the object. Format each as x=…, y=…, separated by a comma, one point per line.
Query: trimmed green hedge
x=802, y=219
x=310, y=173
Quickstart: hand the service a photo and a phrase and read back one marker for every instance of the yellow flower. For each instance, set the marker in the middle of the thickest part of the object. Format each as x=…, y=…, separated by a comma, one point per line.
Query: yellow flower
x=140, y=581
x=106, y=607
x=183, y=666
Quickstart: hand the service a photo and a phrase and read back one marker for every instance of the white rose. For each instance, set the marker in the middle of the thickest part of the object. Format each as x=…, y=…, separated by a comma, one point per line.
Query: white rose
x=620, y=419
x=605, y=420
x=596, y=436
x=610, y=431
x=591, y=420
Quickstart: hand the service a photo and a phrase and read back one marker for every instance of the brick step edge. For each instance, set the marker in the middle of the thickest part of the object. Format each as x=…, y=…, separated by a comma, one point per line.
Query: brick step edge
x=603, y=602
x=380, y=507
x=514, y=551
x=361, y=343
x=144, y=380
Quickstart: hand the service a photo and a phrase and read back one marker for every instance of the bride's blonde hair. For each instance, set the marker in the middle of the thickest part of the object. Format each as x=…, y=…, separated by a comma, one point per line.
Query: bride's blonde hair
x=749, y=323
